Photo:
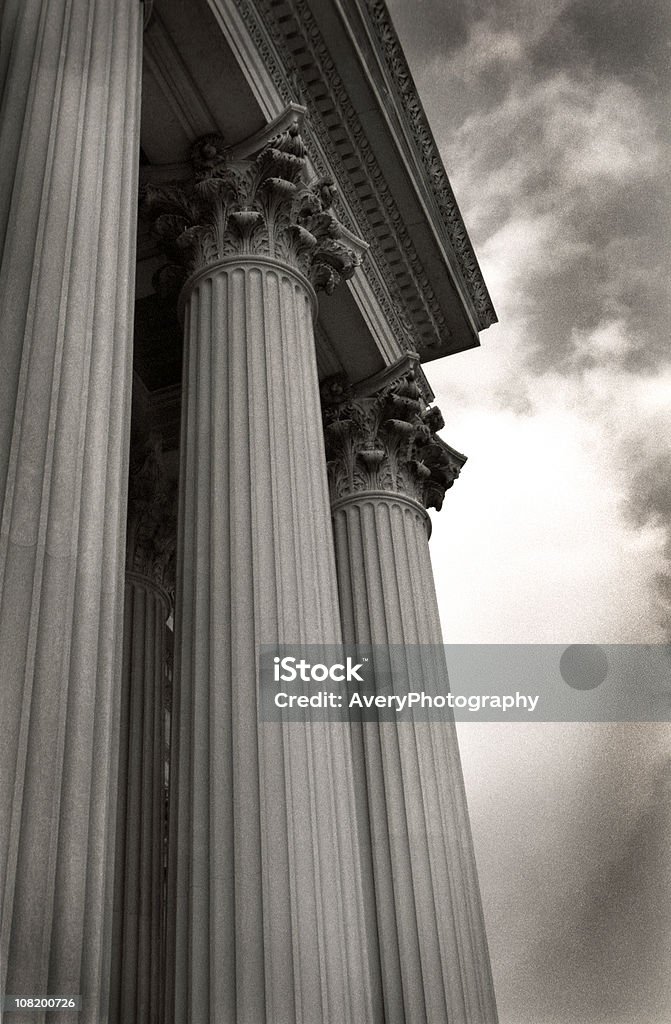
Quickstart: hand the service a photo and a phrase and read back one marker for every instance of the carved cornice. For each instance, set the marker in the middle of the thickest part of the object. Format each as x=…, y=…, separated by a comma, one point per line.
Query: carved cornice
x=263, y=207
x=290, y=88
x=293, y=81
x=386, y=440
x=416, y=316
x=427, y=149
x=152, y=518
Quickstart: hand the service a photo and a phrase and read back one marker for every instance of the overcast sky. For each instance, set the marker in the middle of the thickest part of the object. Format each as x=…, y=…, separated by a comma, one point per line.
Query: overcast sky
x=551, y=120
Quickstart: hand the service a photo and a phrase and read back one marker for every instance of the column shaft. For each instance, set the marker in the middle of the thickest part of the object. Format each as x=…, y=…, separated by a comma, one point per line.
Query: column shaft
x=69, y=137
x=269, y=922
x=386, y=466
x=137, y=971
x=433, y=948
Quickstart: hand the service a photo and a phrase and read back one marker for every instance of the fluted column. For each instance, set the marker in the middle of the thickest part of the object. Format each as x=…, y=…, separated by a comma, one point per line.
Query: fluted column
x=386, y=465
x=139, y=890
x=268, y=883
x=69, y=140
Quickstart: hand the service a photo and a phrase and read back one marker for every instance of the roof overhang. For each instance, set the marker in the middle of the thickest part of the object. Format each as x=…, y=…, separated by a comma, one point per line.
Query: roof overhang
x=342, y=60
x=233, y=66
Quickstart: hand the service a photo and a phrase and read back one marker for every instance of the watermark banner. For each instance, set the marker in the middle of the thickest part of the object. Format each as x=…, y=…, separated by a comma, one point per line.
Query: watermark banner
x=465, y=682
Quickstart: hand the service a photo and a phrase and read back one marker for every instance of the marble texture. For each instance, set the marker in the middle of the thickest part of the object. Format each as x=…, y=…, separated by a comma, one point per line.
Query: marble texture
x=268, y=885
x=69, y=137
x=419, y=861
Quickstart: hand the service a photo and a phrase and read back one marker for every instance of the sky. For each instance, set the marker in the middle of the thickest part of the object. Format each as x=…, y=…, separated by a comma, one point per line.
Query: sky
x=551, y=119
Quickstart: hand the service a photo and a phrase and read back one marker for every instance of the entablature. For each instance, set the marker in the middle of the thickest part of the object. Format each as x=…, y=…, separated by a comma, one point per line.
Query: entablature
x=370, y=127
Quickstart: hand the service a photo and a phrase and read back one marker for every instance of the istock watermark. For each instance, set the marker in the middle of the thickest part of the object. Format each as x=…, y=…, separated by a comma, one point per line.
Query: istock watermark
x=289, y=669
x=464, y=682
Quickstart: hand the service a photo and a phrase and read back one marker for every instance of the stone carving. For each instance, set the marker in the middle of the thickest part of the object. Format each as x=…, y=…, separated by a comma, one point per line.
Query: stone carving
x=428, y=151
x=427, y=309
x=152, y=518
x=289, y=83
x=287, y=76
x=260, y=207
x=386, y=442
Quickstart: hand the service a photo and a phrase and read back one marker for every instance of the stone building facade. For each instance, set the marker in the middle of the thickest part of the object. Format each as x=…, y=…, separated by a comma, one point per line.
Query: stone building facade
x=229, y=248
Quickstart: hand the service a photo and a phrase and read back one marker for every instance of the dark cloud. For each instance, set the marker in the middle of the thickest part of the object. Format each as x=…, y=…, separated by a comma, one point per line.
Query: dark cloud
x=578, y=867
x=648, y=501
x=584, y=244
x=435, y=27
x=617, y=37
x=617, y=903
x=620, y=37
x=548, y=116
x=613, y=275
x=650, y=494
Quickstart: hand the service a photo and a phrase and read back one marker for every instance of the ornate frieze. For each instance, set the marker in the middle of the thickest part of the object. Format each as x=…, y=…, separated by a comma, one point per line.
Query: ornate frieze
x=386, y=441
x=152, y=518
x=428, y=151
x=263, y=207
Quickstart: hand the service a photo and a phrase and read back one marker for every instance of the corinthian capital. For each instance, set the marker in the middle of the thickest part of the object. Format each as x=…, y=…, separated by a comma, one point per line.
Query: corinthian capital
x=264, y=206
x=385, y=440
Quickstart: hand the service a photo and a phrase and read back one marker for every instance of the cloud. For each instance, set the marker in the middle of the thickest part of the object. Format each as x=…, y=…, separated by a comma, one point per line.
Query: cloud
x=537, y=546
x=614, y=874
x=613, y=37
x=573, y=143
x=573, y=847
x=561, y=171
x=548, y=182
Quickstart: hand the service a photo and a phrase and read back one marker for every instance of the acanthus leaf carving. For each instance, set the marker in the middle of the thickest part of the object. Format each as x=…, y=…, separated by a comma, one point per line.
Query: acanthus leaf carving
x=264, y=206
x=386, y=441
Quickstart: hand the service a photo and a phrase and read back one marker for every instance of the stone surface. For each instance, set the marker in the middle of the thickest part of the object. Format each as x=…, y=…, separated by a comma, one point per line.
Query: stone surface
x=433, y=959
x=267, y=884
x=68, y=180
x=387, y=441
x=137, y=970
x=264, y=206
x=138, y=940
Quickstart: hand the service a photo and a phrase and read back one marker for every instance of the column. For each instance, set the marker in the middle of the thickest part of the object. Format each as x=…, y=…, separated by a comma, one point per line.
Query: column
x=268, y=883
x=386, y=466
x=139, y=888
x=69, y=141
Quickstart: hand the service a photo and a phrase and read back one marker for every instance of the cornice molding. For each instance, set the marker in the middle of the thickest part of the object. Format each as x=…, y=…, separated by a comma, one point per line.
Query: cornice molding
x=381, y=436
x=385, y=202
x=415, y=314
x=326, y=159
x=412, y=108
x=426, y=314
x=386, y=377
